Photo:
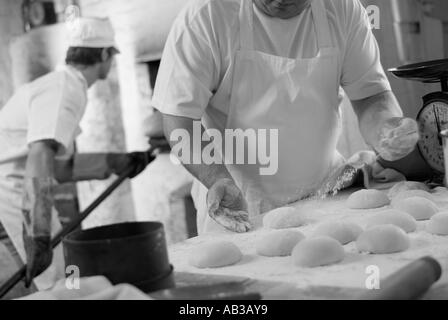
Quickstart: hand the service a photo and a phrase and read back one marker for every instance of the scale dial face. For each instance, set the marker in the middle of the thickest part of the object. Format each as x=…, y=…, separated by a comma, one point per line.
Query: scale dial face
x=432, y=119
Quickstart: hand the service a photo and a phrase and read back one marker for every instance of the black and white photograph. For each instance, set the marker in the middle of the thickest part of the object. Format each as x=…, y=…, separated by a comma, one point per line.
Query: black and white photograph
x=218, y=157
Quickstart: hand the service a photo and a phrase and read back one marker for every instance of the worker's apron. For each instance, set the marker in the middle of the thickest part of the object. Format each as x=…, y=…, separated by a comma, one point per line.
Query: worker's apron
x=11, y=196
x=299, y=97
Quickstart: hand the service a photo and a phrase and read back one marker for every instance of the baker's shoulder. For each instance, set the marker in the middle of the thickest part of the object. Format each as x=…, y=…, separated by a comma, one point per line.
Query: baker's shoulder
x=209, y=10
x=49, y=81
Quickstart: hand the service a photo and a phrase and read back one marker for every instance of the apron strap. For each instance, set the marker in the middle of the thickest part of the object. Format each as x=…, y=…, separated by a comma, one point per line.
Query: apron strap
x=246, y=17
x=321, y=24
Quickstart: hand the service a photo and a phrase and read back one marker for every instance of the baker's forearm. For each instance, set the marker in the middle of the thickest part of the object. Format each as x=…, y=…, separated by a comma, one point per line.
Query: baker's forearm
x=83, y=166
x=87, y=166
x=207, y=174
x=38, y=189
x=373, y=112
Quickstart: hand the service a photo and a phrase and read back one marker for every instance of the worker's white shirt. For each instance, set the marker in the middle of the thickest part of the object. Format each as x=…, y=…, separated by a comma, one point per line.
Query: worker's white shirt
x=50, y=107
x=202, y=43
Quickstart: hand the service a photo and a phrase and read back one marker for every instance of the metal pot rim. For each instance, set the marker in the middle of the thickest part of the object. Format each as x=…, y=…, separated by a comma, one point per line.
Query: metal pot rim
x=69, y=238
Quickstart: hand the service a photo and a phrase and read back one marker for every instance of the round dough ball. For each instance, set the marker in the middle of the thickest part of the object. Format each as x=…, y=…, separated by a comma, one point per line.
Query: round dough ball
x=438, y=224
x=318, y=251
x=367, y=199
x=383, y=239
x=215, y=254
x=283, y=218
x=278, y=243
x=440, y=190
x=405, y=186
x=418, y=207
x=398, y=218
x=344, y=232
x=411, y=193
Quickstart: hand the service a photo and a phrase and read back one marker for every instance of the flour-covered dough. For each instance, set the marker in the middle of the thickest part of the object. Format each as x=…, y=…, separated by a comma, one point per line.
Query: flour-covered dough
x=398, y=218
x=283, y=218
x=215, y=254
x=418, y=207
x=383, y=239
x=411, y=193
x=367, y=199
x=278, y=243
x=342, y=231
x=317, y=251
x=405, y=186
x=438, y=224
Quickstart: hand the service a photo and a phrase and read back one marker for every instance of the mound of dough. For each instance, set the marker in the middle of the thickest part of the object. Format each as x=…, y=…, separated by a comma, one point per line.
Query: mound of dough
x=405, y=186
x=283, y=218
x=398, y=218
x=278, y=243
x=418, y=207
x=215, y=254
x=367, y=199
x=411, y=193
x=438, y=224
x=318, y=251
x=344, y=232
x=383, y=239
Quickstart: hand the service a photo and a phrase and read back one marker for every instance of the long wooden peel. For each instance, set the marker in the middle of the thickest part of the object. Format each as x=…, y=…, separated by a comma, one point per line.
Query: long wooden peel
x=75, y=223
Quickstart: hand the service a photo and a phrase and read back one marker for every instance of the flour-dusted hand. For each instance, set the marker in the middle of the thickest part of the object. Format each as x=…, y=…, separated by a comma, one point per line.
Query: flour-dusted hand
x=226, y=205
x=397, y=138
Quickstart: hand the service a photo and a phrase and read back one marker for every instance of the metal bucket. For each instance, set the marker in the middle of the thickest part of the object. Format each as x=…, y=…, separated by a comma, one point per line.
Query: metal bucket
x=444, y=135
x=134, y=253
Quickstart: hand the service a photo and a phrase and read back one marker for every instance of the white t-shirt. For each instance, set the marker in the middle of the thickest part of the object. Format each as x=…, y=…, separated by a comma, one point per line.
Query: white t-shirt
x=201, y=46
x=50, y=107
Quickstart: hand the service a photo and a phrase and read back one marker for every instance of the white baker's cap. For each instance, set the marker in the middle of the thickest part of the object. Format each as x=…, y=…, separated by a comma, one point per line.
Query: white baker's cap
x=91, y=33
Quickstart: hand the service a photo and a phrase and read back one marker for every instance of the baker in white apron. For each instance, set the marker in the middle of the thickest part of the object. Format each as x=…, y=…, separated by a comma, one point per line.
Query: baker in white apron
x=38, y=128
x=297, y=96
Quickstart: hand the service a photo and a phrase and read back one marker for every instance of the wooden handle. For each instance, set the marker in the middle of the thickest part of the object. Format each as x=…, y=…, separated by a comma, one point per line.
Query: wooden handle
x=408, y=283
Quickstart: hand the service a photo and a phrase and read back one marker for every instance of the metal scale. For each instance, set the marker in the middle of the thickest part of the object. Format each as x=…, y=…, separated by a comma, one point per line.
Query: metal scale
x=433, y=116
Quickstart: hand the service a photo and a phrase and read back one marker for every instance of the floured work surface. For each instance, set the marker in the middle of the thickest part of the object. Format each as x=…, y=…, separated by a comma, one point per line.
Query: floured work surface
x=279, y=278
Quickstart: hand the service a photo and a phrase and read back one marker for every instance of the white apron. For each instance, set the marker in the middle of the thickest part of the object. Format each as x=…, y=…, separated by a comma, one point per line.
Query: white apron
x=299, y=97
x=11, y=194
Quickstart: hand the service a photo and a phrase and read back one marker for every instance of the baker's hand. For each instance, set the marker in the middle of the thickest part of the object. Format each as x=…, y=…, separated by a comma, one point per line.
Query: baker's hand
x=39, y=255
x=36, y=209
x=226, y=205
x=120, y=162
x=397, y=138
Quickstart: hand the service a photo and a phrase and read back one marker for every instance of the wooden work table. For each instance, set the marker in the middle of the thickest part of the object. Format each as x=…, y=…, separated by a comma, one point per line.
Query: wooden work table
x=278, y=278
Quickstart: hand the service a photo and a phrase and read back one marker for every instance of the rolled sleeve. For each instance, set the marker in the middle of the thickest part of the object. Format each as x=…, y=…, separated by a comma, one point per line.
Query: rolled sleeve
x=362, y=73
x=54, y=115
x=186, y=74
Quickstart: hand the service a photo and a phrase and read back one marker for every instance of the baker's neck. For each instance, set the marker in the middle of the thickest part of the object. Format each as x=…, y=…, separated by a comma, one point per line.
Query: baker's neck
x=283, y=9
x=90, y=73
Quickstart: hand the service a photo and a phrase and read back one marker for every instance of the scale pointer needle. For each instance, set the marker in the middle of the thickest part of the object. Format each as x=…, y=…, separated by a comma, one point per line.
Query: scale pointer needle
x=439, y=130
